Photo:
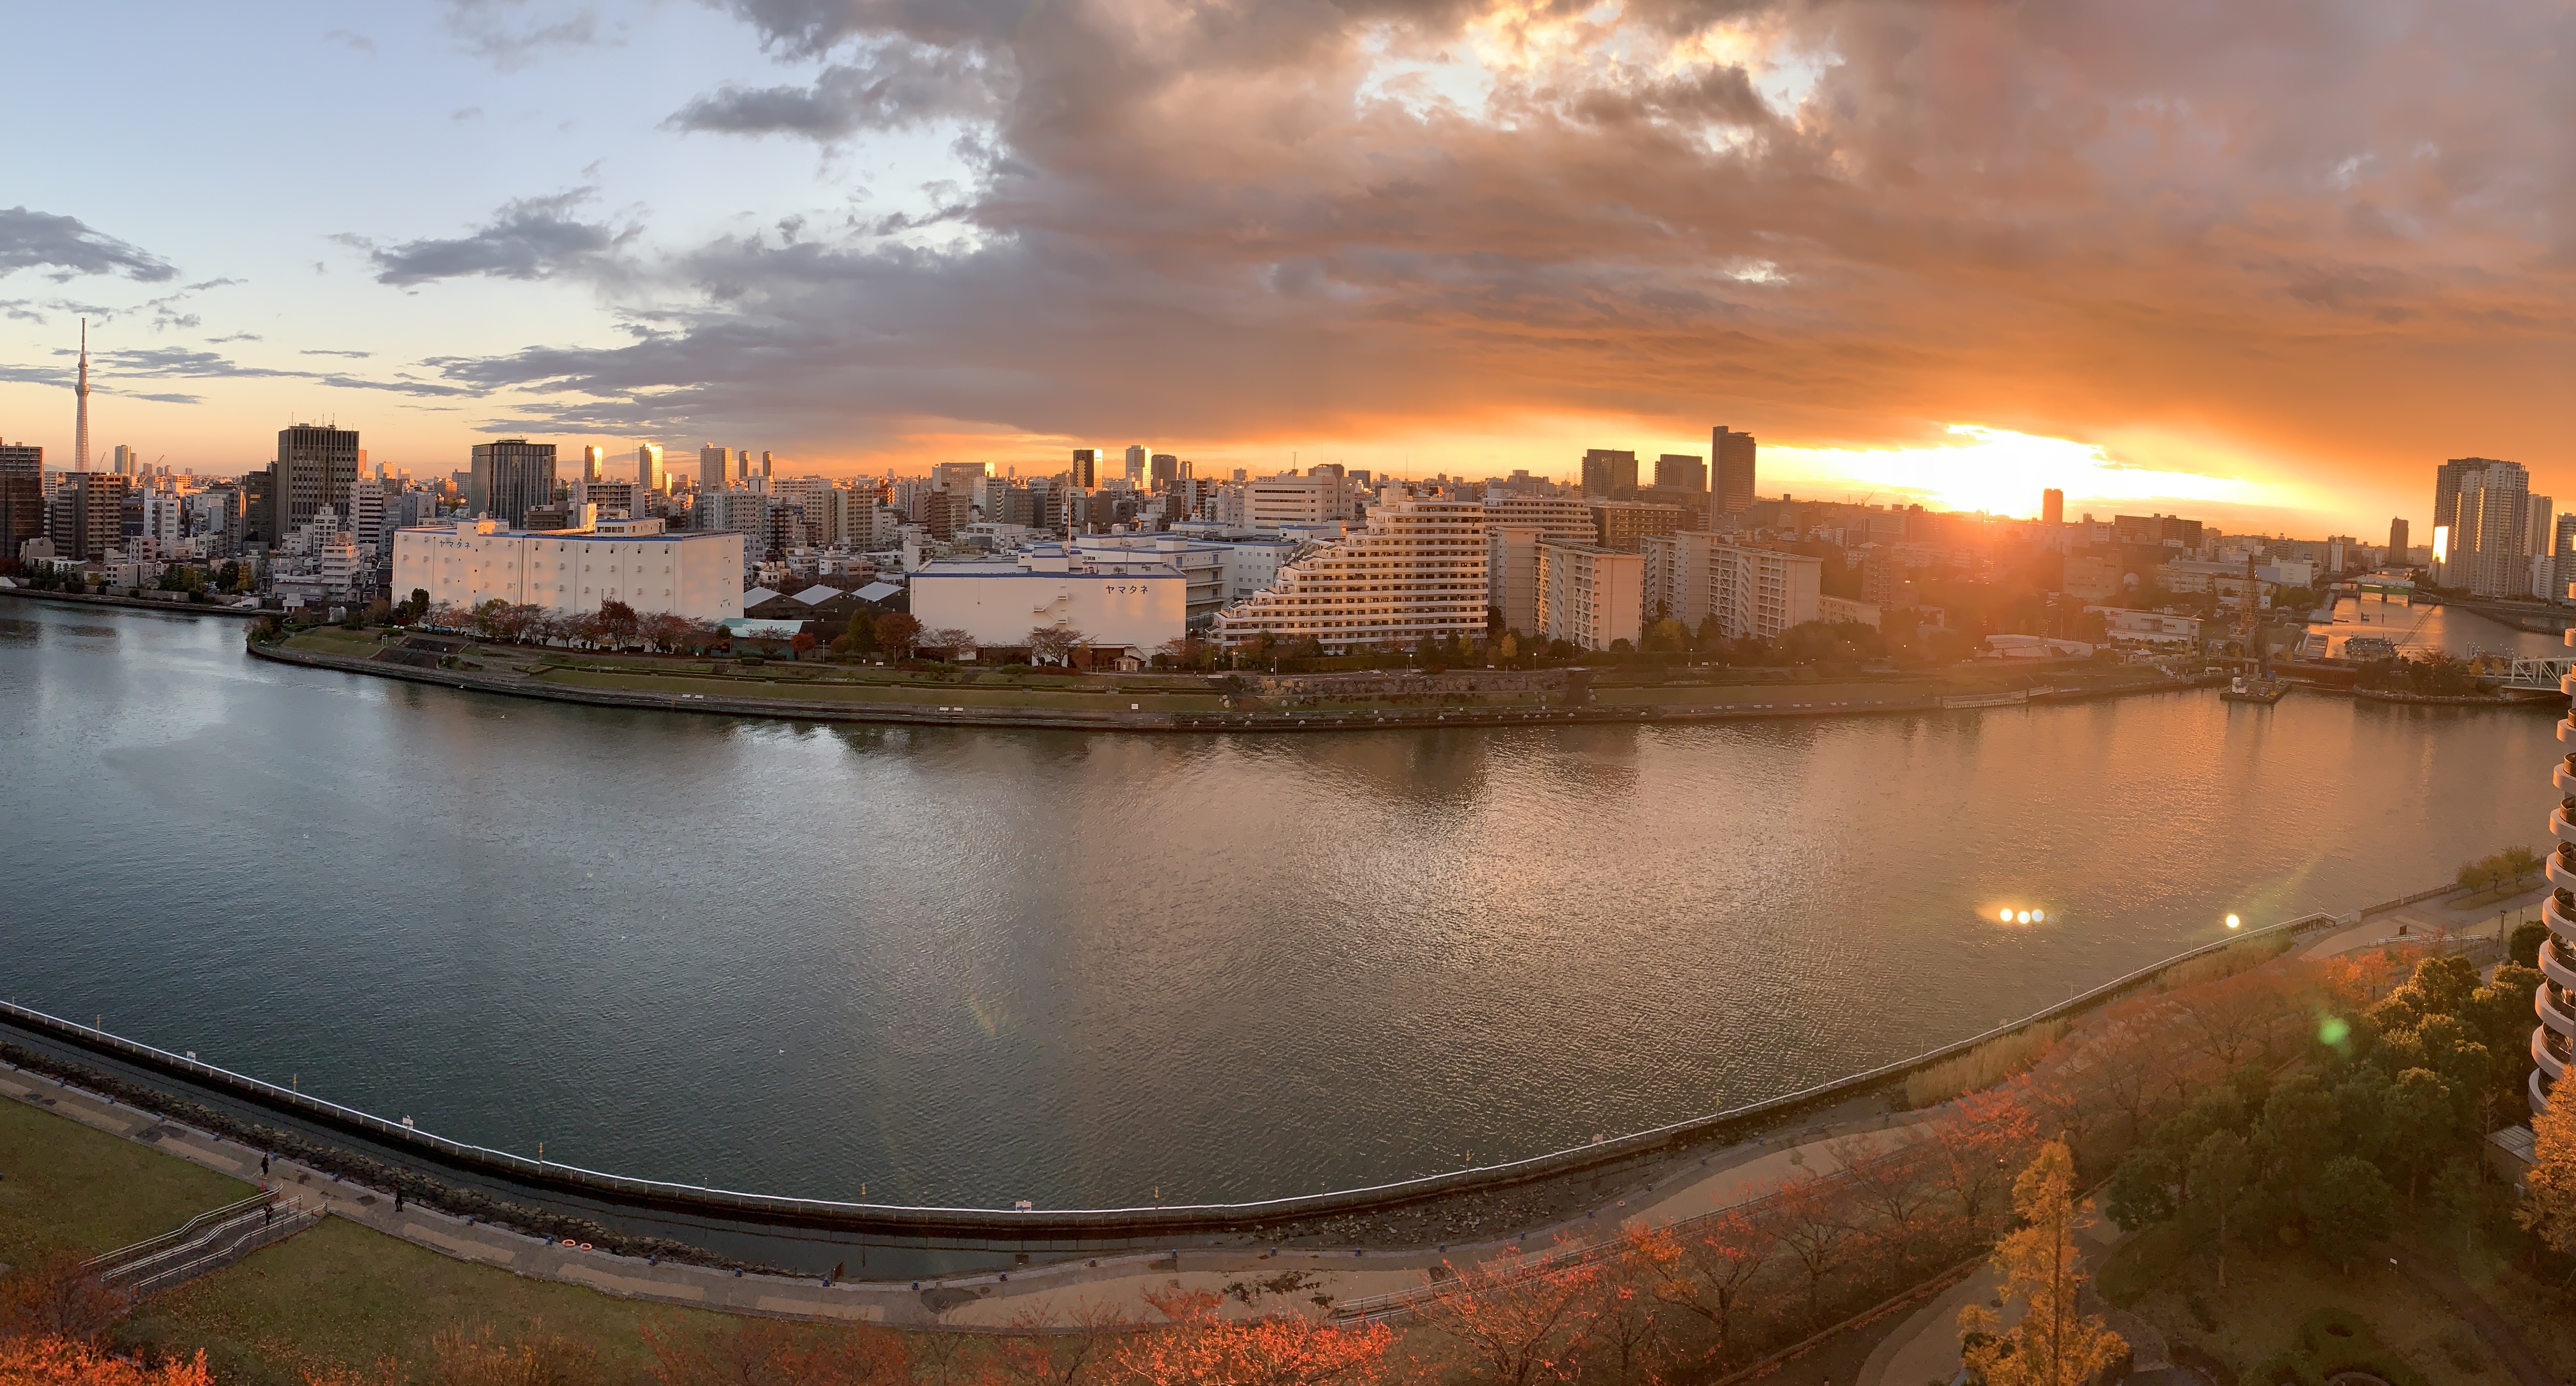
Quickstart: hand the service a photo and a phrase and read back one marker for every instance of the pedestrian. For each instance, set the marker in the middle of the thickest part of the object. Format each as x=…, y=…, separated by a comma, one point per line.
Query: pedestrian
x=263, y=1163
x=397, y=1200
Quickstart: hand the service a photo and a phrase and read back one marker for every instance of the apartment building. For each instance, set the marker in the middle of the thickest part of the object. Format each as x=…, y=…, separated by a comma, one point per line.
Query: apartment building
x=1417, y=569
x=1752, y=592
x=1590, y=595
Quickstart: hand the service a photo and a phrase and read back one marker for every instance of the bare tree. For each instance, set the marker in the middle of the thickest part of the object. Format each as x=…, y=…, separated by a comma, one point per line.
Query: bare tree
x=1056, y=644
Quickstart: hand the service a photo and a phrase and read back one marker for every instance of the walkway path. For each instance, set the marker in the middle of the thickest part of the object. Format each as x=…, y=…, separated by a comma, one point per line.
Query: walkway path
x=1252, y=1283
x=2426, y=919
x=1925, y=1348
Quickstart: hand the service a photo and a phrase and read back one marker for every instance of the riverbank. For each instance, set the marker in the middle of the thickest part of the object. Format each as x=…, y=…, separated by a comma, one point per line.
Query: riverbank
x=177, y=605
x=708, y=687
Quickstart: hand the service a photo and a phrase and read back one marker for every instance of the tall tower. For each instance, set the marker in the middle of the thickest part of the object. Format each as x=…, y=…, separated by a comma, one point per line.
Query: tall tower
x=80, y=424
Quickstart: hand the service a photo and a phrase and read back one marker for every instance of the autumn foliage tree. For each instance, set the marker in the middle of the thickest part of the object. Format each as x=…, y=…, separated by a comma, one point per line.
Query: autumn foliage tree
x=2548, y=1210
x=58, y=1297
x=2053, y=1344
x=1199, y=1348
x=46, y=1360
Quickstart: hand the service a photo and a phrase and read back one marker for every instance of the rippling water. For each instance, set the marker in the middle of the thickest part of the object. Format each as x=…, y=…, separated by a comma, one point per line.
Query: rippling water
x=972, y=966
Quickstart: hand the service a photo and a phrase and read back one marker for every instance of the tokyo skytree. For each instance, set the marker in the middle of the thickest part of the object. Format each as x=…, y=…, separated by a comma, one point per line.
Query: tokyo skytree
x=80, y=425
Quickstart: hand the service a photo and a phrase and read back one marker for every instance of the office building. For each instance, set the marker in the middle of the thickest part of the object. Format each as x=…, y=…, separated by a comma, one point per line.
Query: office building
x=2398, y=539
x=711, y=468
x=1730, y=470
x=22, y=495
x=1590, y=595
x=124, y=462
x=1117, y=602
x=511, y=477
x=1086, y=467
x=594, y=460
x=1273, y=502
x=314, y=468
x=2052, y=507
x=1417, y=570
x=473, y=561
x=1163, y=471
x=1608, y=473
x=648, y=469
x=1622, y=524
x=1136, y=467
x=1756, y=593
x=1680, y=471
x=89, y=516
x=610, y=500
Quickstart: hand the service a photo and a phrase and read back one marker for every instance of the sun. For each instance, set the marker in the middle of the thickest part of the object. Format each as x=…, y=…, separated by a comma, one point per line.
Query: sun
x=2001, y=472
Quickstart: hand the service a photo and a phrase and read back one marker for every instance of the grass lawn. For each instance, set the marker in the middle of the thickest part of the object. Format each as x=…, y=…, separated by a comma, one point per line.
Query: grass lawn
x=335, y=641
x=2168, y=1276
x=63, y=1185
x=343, y=1295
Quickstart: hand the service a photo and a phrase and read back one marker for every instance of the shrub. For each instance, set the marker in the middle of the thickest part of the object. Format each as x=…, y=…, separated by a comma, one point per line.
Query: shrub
x=2525, y=944
x=1984, y=1066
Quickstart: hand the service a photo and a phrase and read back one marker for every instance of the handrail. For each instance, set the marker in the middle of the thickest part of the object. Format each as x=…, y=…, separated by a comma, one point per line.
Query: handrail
x=1139, y=1221
x=123, y=1253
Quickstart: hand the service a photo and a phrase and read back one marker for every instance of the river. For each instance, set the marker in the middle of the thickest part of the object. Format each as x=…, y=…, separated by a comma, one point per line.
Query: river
x=956, y=966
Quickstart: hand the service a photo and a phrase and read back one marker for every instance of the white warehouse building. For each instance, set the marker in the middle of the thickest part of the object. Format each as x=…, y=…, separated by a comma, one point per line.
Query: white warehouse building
x=471, y=562
x=1117, y=603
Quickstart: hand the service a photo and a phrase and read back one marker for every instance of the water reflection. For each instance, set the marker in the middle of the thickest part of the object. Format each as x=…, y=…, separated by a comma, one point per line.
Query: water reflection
x=963, y=965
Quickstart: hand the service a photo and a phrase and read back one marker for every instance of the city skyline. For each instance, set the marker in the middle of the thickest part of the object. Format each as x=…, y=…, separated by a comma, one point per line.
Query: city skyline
x=2252, y=312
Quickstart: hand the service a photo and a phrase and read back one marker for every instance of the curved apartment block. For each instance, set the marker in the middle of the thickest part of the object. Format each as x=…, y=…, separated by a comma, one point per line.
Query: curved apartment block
x=1416, y=571
x=2553, y=1040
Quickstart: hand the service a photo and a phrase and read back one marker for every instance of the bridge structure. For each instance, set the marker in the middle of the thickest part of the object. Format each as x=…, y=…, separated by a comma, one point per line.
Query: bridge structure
x=2545, y=675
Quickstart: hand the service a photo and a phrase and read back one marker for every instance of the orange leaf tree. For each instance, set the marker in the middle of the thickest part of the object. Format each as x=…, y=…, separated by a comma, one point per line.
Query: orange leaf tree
x=49, y=1360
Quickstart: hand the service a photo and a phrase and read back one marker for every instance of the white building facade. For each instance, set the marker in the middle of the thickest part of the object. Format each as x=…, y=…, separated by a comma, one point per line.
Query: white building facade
x=695, y=575
x=1590, y=595
x=1417, y=570
x=1753, y=593
x=1116, y=603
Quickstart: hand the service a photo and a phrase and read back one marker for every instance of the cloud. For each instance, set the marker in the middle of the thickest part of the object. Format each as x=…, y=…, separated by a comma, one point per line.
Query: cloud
x=326, y=351
x=894, y=86
x=512, y=35
x=29, y=239
x=355, y=42
x=236, y=337
x=2321, y=228
x=165, y=313
x=187, y=364
x=172, y=398
x=531, y=238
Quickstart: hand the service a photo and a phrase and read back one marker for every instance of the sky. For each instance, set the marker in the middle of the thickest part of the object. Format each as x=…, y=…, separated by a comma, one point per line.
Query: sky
x=2265, y=264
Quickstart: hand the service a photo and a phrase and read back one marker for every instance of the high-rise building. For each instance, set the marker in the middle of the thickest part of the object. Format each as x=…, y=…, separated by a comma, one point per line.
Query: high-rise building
x=1681, y=471
x=2562, y=552
x=1136, y=466
x=89, y=516
x=1086, y=467
x=2446, y=489
x=1608, y=472
x=2397, y=543
x=1731, y=457
x=768, y=467
x=2490, y=535
x=1620, y=524
x=315, y=465
x=711, y=468
x=2538, y=513
x=1417, y=570
x=1164, y=469
x=2052, y=507
x=22, y=495
x=648, y=468
x=123, y=462
x=593, y=459
x=511, y=477
x=80, y=416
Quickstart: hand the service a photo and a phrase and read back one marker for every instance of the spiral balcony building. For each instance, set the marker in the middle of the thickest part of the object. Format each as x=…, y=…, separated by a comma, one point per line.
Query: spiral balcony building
x=2553, y=1040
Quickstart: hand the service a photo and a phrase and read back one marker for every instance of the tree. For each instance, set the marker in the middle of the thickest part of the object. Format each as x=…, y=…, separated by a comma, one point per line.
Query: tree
x=2548, y=1208
x=2053, y=1344
x=1812, y=1229
x=2142, y=1187
x=2348, y=1208
x=1709, y=1271
x=1056, y=644
x=59, y=1297
x=2222, y=1169
x=617, y=620
x=536, y=1358
x=803, y=643
x=2423, y=1125
x=41, y=1360
x=948, y=640
x=1201, y=1349
x=900, y=633
x=1515, y=1329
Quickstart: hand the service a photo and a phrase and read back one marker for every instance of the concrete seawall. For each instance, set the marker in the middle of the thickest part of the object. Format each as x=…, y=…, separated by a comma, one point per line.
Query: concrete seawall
x=177, y=608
